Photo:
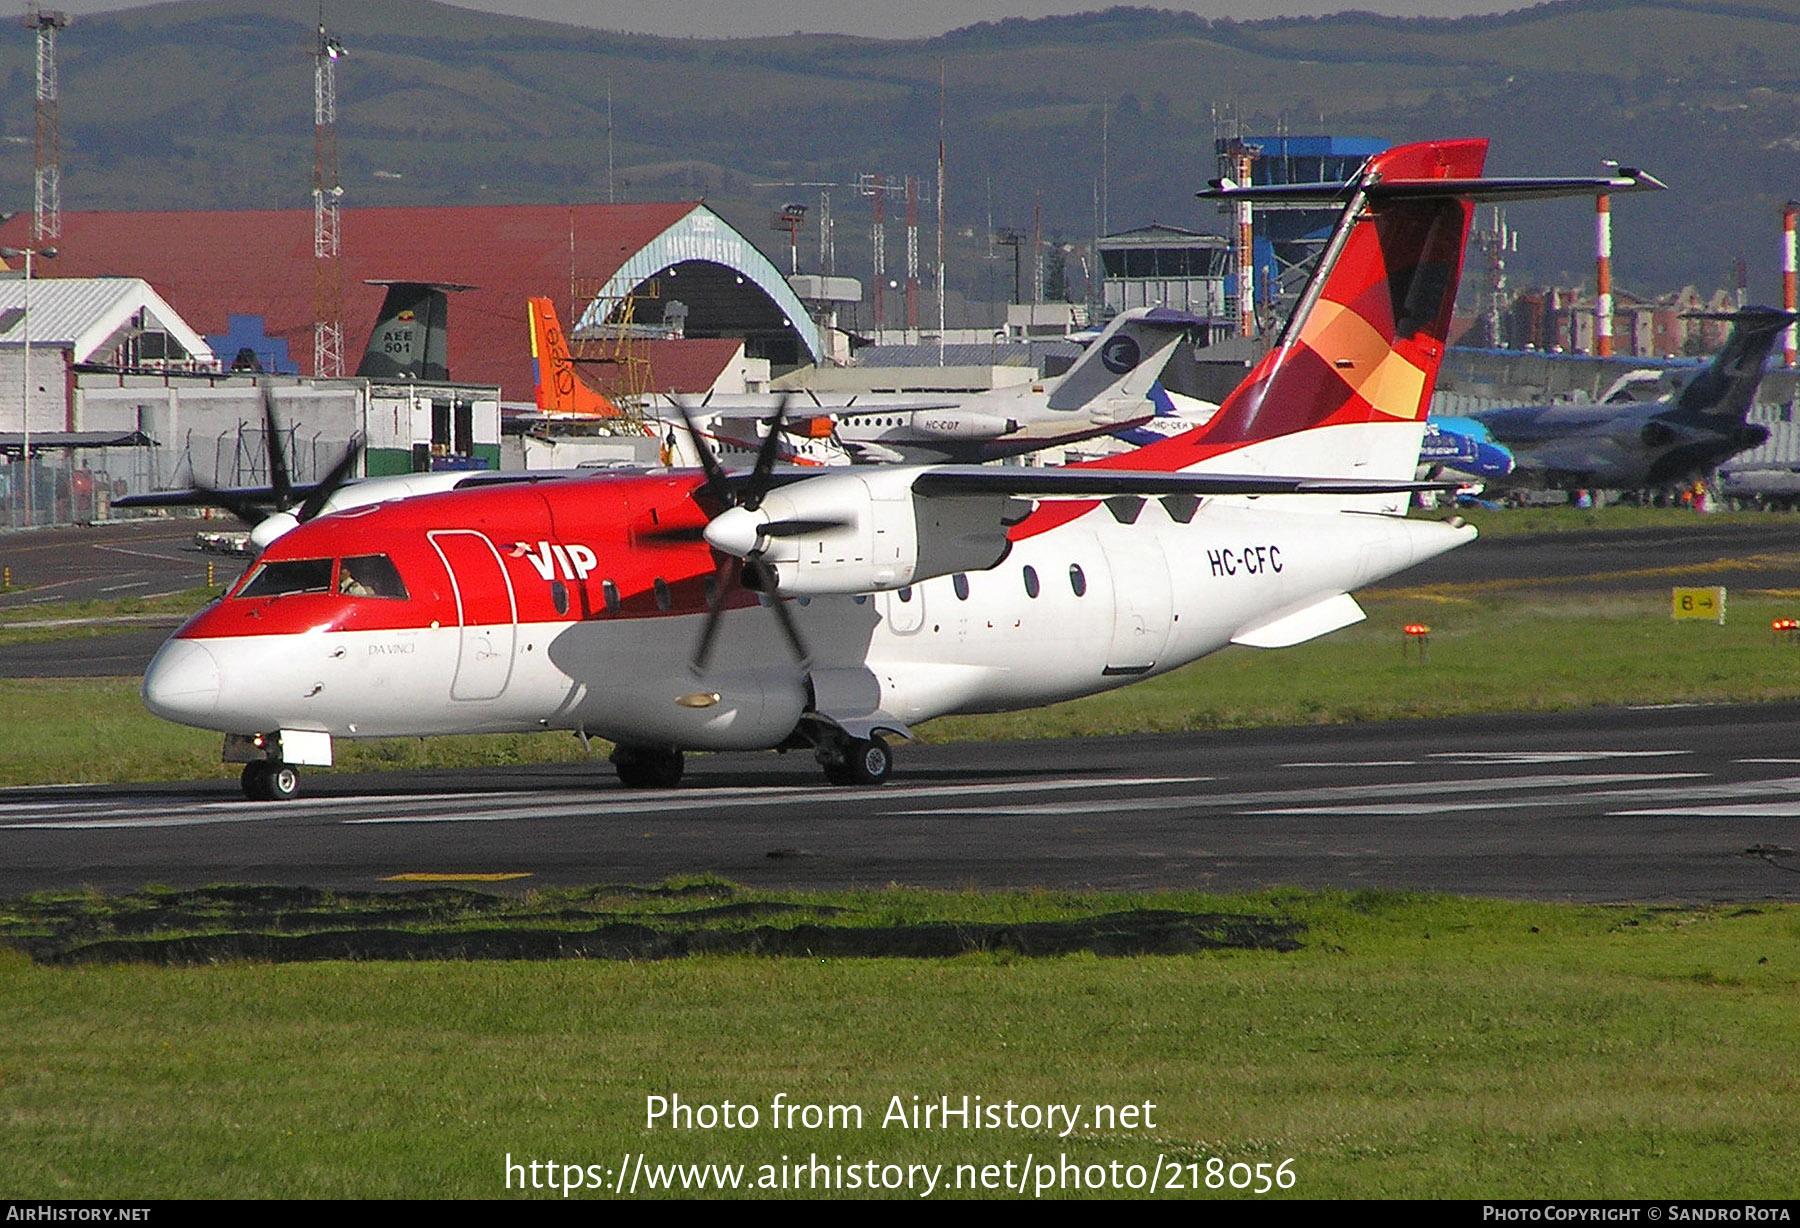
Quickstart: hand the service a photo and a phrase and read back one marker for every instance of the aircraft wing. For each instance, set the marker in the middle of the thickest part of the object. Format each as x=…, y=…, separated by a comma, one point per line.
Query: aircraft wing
x=230, y=498
x=1055, y=483
x=823, y=408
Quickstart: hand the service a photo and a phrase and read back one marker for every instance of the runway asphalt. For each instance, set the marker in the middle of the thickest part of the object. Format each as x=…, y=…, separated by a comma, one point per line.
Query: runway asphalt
x=1667, y=804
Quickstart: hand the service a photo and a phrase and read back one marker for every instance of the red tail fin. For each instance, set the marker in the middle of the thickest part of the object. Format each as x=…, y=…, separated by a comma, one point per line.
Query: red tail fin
x=1367, y=336
x=560, y=388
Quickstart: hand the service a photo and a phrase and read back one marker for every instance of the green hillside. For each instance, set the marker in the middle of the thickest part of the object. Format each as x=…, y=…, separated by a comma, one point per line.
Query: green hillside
x=208, y=104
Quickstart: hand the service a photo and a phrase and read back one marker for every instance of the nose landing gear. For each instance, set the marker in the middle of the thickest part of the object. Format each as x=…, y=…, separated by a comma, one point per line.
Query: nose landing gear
x=270, y=780
x=856, y=761
x=648, y=767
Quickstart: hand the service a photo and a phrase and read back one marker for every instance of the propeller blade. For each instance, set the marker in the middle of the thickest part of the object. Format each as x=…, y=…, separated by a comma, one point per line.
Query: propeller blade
x=761, y=577
x=278, y=466
x=716, y=484
x=676, y=535
x=249, y=511
x=334, y=481
x=758, y=483
x=715, y=613
x=800, y=528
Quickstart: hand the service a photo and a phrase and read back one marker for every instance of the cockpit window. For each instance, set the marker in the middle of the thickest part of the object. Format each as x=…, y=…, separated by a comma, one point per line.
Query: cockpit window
x=289, y=576
x=370, y=575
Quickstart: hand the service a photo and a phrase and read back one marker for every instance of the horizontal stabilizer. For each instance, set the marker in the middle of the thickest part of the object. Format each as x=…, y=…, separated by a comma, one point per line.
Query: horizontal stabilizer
x=1298, y=626
x=1479, y=191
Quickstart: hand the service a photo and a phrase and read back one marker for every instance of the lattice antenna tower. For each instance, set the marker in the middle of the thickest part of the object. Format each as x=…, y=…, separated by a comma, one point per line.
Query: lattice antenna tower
x=47, y=223
x=328, y=281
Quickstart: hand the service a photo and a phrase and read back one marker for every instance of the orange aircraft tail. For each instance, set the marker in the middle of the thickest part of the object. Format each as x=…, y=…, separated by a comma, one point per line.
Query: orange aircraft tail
x=560, y=388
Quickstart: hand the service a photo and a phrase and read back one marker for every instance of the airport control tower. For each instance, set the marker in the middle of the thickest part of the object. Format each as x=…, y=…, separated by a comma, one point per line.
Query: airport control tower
x=1286, y=241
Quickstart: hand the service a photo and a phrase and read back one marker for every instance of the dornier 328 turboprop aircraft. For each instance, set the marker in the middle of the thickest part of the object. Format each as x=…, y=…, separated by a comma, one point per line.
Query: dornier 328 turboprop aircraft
x=710, y=610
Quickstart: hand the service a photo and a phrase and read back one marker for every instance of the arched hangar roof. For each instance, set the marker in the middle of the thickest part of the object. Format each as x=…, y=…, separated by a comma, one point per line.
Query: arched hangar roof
x=703, y=263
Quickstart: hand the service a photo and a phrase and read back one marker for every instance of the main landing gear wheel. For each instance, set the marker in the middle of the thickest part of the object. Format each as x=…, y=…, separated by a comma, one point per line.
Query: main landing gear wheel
x=268, y=781
x=865, y=761
x=648, y=767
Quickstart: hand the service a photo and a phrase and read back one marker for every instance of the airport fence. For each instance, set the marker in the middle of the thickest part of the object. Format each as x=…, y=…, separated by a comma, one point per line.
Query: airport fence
x=68, y=486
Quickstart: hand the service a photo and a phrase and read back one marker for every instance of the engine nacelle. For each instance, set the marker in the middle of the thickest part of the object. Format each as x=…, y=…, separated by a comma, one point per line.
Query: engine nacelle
x=861, y=532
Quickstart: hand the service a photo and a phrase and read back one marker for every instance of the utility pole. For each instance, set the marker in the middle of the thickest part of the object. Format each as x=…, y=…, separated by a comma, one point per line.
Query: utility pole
x=940, y=214
x=789, y=221
x=1243, y=156
x=912, y=257
x=1787, y=278
x=1603, y=296
x=872, y=186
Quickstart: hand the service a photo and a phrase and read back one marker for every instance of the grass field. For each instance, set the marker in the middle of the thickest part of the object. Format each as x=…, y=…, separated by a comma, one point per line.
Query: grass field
x=1415, y=1048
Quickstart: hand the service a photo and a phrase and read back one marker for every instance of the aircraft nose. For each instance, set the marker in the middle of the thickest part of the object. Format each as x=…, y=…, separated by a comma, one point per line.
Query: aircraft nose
x=182, y=683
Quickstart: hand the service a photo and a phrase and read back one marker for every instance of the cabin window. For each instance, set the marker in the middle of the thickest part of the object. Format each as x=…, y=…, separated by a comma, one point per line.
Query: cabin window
x=663, y=599
x=370, y=575
x=960, y=583
x=559, y=596
x=1031, y=582
x=1077, y=580
x=278, y=579
x=905, y=594
x=609, y=593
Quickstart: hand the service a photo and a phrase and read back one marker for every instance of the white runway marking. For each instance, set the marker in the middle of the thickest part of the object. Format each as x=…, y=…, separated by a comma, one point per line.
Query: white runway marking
x=1346, y=794
x=1739, y=810
x=690, y=799
x=147, y=821
x=1749, y=788
x=140, y=811
x=1527, y=757
x=126, y=813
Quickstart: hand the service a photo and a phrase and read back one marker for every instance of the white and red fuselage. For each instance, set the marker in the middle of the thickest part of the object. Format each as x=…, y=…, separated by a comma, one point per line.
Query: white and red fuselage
x=576, y=605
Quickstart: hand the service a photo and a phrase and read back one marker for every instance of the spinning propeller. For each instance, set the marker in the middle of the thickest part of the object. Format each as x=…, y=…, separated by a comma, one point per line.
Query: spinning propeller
x=739, y=535
x=269, y=510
